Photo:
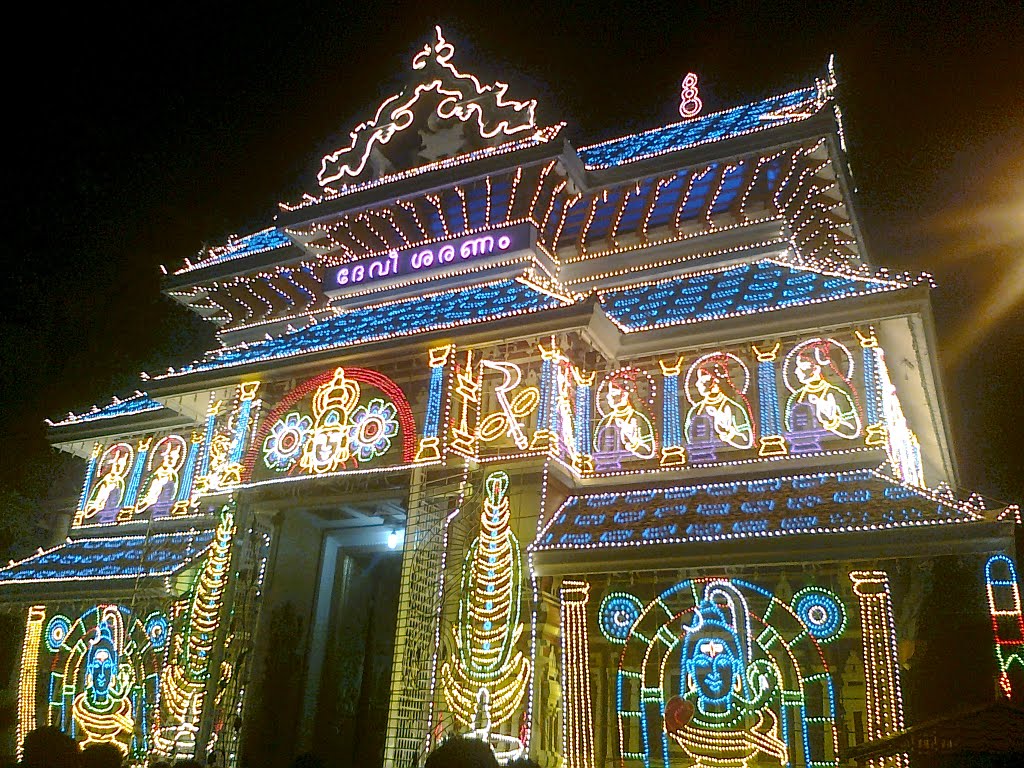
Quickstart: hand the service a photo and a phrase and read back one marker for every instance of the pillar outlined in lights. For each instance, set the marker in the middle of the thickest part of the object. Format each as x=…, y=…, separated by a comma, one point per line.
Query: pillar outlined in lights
x=772, y=441
x=29, y=674
x=577, y=713
x=1003, y=590
x=882, y=692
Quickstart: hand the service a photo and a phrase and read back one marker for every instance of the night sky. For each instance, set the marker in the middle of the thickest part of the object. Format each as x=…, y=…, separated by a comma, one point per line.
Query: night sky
x=137, y=140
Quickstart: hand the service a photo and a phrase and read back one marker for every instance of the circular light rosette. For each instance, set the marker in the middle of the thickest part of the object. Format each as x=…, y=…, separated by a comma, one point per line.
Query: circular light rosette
x=619, y=612
x=373, y=427
x=57, y=632
x=821, y=612
x=283, y=446
x=157, y=631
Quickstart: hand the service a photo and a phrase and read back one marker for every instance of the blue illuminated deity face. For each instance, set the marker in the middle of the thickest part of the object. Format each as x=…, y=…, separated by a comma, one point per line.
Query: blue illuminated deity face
x=101, y=663
x=713, y=663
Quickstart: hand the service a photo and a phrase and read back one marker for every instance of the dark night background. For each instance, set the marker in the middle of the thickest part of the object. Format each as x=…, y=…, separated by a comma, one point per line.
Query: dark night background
x=138, y=139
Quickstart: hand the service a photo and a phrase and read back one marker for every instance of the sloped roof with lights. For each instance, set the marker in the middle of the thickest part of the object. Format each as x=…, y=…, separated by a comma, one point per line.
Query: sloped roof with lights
x=138, y=403
x=729, y=123
x=765, y=508
x=744, y=289
x=431, y=312
x=86, y=560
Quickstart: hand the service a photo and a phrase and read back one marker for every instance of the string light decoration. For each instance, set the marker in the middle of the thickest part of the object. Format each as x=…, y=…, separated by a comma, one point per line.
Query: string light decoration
x=111, y=489
x=750, y=666
x=577, y=713
x=507, y=422
x=430, y=443
x=467, y=389
x=883, y=693
x=720, y=415
x=29, y=674
x=823, y=401
x=673, y=454
x=486, y=679
x=625, y=431
x=340, y=430
x=772, y=441
x=160, y=489
x=389, y=320
x=690, y=103
x=890, y=428
x=717, y=126
x=463, y=98
x=136, y=404
x=103, y=677
x=1003, y=590
x=766, y=285
x=186, y=674
x=110, y=558
x=767, y=507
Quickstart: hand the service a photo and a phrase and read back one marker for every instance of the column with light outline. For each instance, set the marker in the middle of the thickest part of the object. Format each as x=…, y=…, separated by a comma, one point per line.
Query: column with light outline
x=1004, y=607
x=772, y=441
x=882, y=691
x=673, y=454
x=577, y=712
x=29, y=672
x=430, y=444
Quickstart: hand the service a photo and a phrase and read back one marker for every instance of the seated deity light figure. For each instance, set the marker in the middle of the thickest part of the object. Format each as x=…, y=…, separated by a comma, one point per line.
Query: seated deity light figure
x=163, y=485
x=105, y=498
x=623, y=431
x=832, y=404
x=721, y=718
x=729, y=418
x=103, y=710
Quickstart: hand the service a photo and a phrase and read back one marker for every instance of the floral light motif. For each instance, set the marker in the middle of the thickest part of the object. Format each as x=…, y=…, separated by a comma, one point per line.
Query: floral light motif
x=373, y=427
x=283, y=446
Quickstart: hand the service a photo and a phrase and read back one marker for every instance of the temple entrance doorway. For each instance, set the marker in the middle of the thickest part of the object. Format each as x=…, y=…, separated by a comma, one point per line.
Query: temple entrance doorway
x=352, y=638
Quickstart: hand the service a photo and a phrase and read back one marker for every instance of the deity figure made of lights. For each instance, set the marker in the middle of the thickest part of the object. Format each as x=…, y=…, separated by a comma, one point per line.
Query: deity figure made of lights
x=624, y=431
x=103, y=710
x=105, y=498
x=720, y=415
x=101, y=674
x=160, y=489
x=486, y=680
x=721, y=716
x=823, y=401
x=753, y=686
x=328, y=448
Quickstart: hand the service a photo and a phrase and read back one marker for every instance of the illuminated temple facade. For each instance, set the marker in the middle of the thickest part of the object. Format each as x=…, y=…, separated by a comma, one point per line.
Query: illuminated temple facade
x=625, y=455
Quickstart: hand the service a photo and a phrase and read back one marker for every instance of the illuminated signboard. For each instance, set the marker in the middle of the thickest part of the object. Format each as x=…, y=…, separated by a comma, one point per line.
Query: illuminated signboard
x=448, y=258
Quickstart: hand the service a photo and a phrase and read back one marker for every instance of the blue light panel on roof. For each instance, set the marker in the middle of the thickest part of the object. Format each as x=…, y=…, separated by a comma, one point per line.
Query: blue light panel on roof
x=824, y=502
x=110, y=558
x=401, y=318
x=745, y=289
x=126, y=407
x=714, y=127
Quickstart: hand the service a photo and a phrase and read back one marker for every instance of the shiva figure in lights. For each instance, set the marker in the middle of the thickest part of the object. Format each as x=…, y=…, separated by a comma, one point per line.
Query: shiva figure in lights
x=103, y=675
x=822, y=398
x=486, y=680
x=162, y=486
x=106, y=495
x=719, y=414
x=721, y=673
x=721, y=716
x=624, y=431
x=103, y=711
